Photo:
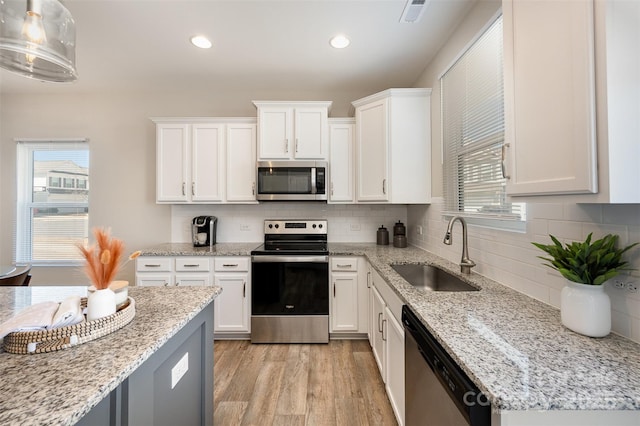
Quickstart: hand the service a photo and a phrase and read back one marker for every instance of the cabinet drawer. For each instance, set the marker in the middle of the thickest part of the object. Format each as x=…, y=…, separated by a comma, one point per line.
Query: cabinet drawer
x=154, y=264
x=184, y=264
x=344, y=264
x=231, y=264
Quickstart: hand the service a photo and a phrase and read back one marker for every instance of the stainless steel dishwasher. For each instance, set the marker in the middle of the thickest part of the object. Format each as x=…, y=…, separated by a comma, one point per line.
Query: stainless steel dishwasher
x=437, y=391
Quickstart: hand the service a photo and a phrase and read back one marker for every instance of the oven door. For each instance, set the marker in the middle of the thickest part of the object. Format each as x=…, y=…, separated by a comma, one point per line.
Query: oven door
x=289, y=299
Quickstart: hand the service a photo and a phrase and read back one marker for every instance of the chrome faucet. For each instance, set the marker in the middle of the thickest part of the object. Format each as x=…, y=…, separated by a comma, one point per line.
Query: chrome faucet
x=465, y=263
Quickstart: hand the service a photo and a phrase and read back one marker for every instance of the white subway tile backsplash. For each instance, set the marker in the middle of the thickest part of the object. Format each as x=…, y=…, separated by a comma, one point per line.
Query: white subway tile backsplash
x=511, y=259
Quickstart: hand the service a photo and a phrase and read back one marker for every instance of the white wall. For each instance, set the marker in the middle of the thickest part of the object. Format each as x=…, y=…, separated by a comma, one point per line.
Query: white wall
x=509, y=257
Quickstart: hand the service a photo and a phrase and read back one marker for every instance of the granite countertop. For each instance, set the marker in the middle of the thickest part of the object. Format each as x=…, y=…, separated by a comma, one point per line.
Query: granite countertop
x=187, y=249
x=59, y=388
x=513, y=346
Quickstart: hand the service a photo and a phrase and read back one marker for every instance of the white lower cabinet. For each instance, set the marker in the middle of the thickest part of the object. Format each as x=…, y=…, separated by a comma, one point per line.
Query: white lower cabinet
x=348, y=296
x=232, y=309
x=154, y=271
x=387, y=341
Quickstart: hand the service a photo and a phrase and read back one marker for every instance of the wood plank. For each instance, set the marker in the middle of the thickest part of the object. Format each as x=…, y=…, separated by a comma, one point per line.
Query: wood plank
x=241, y=388
x=345, y=378
x=293, y=394
x=321, y=409
x=226, y=362
x=262, y=405
x=351, y=412
x=289, y=420
x=229, y=413
x=379, y=411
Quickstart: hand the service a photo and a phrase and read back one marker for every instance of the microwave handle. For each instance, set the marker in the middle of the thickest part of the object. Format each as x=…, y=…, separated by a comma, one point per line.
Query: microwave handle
x=313, y=180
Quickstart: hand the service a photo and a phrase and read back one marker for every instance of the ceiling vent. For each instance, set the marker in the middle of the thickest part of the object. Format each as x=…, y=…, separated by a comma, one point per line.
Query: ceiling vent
x=413, y=11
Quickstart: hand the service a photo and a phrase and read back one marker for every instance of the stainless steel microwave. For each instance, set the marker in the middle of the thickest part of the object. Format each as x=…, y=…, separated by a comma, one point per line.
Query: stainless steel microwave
x=292, y=181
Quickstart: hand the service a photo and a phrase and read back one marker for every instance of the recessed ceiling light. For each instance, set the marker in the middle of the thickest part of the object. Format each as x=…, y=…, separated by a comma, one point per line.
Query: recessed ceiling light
x=340, y=41
x=201, y=41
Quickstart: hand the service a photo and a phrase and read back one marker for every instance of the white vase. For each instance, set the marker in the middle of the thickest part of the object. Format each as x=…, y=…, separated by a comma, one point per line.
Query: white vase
x=100, y=303
x=586, y=309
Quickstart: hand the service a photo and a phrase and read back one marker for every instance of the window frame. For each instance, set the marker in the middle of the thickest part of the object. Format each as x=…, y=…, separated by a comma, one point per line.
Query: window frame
x=23, y=231
x=506, y=222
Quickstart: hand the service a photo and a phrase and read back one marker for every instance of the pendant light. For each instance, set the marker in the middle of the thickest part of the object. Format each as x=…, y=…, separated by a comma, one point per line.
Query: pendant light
x=38, y=40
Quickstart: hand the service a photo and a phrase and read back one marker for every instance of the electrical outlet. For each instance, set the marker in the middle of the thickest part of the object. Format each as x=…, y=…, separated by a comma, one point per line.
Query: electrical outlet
x=419, y=230
x=632, y=287
x=355, y=226
x=619, y=284
x=245, y=227
x=179, y=370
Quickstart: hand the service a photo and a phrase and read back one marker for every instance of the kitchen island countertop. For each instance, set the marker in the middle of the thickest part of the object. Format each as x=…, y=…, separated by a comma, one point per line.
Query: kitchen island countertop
x=59, y=388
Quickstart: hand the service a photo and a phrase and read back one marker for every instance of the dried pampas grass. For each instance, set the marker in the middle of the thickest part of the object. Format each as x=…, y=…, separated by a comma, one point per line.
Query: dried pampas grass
x=103, y=258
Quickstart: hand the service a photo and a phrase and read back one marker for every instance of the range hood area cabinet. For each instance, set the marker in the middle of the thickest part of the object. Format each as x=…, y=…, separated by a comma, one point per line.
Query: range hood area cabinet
x=292, y=130
x=572, y=119
x=393, y=147
x=205, y=160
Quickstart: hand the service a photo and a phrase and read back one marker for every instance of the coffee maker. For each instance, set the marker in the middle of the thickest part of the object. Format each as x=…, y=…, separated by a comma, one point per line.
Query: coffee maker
x=203, y=231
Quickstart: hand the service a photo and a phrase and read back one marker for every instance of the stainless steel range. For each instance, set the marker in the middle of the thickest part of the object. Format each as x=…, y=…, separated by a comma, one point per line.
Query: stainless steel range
x=290, y=283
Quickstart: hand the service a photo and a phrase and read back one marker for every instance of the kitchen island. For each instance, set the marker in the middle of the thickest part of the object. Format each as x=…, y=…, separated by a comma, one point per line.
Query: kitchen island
x=122, y=377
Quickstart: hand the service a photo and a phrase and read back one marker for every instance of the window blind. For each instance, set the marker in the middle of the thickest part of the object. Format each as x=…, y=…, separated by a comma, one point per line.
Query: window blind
x=52, y=215
x=472, y=98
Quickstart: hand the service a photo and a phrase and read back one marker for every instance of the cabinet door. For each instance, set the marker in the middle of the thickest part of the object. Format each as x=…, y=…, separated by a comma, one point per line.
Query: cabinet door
x=155, y=280
x=241, y=162
x=394, y=344
x=172, y=160
x=207, y=159
x=372, y=151
x=232, y=313
x=341, y=163
x=310, y=133
x=378, y=329
x=275, y=132
x=191, y=279
x=550, y=97
x=344, y=301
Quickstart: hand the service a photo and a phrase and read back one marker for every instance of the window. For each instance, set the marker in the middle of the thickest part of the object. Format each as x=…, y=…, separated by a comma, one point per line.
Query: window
x=53, y=201
x=472, y=97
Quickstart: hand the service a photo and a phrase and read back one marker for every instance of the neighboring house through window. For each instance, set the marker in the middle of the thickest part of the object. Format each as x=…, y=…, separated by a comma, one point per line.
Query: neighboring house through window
x=53, y=201
x=472, y=97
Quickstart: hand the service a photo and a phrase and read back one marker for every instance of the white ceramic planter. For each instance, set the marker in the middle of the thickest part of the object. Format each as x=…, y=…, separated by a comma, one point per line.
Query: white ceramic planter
x=100, y=303
x=586, y=309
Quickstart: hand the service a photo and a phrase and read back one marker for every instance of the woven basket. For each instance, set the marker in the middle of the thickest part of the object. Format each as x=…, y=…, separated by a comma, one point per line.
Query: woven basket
x=41, y=341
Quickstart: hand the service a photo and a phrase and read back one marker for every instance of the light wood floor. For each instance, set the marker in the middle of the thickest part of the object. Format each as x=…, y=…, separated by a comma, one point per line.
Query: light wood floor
x=324, y=385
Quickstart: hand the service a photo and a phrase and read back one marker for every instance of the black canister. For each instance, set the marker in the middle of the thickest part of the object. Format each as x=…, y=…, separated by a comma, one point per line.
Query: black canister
x=399, y=229
x=382, y=237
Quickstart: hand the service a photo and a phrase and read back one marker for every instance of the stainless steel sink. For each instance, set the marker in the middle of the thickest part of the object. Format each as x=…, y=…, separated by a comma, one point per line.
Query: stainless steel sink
x=431, y=278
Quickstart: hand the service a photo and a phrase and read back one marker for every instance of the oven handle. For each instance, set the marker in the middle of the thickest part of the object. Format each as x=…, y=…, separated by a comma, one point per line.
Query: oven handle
x=289, y=259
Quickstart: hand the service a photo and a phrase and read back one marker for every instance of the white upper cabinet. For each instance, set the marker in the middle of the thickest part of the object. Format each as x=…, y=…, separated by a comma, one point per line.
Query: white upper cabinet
x=571, y=100
x=292, y=130
x=241, y=163
x=190, y=162
x=393, y=147
x=550, y=97
x=205, y=160
x=341, y=160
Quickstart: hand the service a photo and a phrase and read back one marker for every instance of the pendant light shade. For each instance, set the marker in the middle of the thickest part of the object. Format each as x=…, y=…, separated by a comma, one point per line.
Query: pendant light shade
x=38, y=39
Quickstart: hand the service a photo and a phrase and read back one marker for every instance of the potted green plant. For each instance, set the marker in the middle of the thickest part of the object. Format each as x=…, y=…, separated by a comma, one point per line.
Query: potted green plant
x=584, y=306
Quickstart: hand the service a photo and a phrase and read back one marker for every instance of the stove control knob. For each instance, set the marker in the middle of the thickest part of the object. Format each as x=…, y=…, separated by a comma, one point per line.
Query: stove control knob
x=277, y=226
x=313, y=226
x=320, y=226
x=270, y=225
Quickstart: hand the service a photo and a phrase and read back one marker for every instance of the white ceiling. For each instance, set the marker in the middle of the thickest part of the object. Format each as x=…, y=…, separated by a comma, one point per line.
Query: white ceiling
x=281, y=45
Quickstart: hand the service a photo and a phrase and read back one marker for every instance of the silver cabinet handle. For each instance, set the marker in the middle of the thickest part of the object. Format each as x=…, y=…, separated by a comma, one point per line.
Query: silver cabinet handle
x=286, y=146
x=334, y=290
x=344, y=265
x=193, y=188
x=152, y=265
x=191, y=265
x=379, y=323
x=331, y=188
x=296, y=144
x=244, y=289
x=368, y=279
x=502, y=164
x=166, y=284
x=230, y=265
x=384, y=186
x=253, y=188
x=183, y=186
x=384, y=337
